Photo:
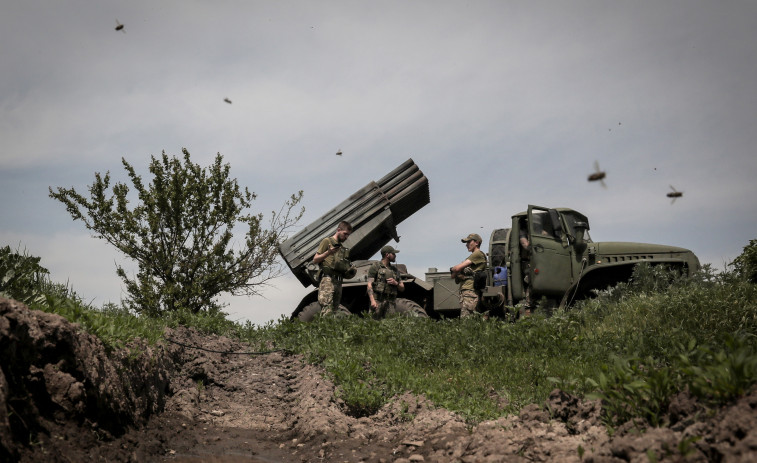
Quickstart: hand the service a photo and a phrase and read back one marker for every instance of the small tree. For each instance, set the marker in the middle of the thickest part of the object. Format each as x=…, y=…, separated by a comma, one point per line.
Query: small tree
x=180, y=232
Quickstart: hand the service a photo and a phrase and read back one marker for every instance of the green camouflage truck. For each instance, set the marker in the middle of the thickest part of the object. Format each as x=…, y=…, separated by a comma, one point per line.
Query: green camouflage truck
x=562, y=262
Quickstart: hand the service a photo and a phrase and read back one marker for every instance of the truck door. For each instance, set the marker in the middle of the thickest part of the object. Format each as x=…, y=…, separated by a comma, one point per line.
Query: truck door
x=550, y=255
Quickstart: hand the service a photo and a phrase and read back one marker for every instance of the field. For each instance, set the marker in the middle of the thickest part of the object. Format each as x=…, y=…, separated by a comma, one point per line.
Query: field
x=659, y=353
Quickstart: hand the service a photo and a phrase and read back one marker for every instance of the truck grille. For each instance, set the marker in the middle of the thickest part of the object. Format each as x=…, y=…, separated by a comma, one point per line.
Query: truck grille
x=627, y=258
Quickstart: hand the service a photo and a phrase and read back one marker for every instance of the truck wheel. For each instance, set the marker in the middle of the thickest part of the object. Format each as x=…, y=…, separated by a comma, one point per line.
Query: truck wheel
x=314, y=308
x=308, y=313
x=410, y=308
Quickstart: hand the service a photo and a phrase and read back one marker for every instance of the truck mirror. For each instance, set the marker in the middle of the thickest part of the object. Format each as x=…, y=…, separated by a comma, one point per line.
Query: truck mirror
x=581, y=228
x=582, y=225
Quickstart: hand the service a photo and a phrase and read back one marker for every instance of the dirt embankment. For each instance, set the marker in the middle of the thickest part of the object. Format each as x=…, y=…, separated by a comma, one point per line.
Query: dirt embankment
x=63, y=398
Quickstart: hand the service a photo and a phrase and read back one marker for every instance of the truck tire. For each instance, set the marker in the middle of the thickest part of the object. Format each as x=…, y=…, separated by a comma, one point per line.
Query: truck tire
x=410, y=308
x=314, y=308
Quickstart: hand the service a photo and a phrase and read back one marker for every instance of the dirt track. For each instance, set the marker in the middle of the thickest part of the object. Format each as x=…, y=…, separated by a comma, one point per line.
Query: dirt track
x=178, y=404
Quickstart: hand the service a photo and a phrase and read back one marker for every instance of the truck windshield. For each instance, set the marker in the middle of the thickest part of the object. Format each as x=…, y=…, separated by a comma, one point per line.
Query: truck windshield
x=542, y=223
x=570, y=220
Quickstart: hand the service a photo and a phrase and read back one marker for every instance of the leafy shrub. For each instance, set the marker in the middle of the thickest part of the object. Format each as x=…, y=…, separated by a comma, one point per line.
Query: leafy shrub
x=635, y=388
x=746, y=264
x=180, y=233
x=21, y=277
x=631, y=388
x=723, y=374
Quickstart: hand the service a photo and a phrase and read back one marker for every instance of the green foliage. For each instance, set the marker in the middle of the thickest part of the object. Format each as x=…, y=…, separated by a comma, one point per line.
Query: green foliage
x=719, y=375
x=114, y=325
x=634, y=347
x=211, y=322
x=473, y=366
x=180, y=232
x=745, y=264
x=624, y=347
x=632, y=388
x=21, y=277
x=645, y=327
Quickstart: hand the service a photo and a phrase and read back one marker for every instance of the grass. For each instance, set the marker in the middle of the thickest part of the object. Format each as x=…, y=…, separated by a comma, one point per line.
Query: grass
x=634, y=347
x=465, y=365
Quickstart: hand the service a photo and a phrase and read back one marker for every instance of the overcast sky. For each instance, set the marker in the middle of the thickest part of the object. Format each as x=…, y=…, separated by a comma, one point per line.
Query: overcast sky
x=501, y=104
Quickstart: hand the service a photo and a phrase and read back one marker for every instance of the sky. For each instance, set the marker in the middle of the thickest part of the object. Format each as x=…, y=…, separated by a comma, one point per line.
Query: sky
x=501, y=104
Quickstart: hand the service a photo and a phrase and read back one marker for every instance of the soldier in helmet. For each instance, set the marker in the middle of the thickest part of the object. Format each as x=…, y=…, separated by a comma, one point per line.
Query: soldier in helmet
x=384, y=283
x=334, y=261
x=464, y=272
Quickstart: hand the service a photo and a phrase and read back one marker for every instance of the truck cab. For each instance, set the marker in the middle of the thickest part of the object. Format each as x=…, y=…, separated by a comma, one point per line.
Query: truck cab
x=562, y=263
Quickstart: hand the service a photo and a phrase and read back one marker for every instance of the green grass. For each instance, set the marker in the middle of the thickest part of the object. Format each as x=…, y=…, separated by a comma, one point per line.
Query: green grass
x=472, y=366
x=633, y=347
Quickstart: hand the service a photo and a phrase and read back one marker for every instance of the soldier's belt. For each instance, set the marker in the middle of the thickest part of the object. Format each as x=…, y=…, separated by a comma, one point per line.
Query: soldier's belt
x=330, y=272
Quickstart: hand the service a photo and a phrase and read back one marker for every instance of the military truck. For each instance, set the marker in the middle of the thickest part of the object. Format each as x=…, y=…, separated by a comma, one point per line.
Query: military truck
x=562, y=262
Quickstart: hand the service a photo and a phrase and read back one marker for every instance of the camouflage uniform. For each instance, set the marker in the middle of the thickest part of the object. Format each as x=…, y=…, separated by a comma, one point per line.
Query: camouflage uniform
x=384, y=293
x=333, y=269
x=468, y=295
x=329, y=293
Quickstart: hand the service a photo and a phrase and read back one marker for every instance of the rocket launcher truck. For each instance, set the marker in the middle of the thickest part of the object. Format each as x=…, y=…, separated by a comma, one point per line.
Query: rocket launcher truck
x=374, y=212
x=562, y=263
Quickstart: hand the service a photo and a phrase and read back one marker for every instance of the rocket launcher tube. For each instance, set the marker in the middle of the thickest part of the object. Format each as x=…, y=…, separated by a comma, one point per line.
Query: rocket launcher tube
x=374, y=212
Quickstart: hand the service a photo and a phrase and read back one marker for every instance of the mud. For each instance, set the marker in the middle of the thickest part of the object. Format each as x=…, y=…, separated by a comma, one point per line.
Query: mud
x=63, y=398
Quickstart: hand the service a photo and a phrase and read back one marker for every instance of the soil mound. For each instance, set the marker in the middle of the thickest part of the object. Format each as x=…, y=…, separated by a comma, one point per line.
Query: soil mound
x=61, y=390
x=64, y=398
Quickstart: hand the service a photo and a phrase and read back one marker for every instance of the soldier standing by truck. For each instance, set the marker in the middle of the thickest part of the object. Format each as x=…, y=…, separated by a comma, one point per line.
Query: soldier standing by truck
x=333, y=258
x=465, y=271
x=525, y=263
x=384, y=283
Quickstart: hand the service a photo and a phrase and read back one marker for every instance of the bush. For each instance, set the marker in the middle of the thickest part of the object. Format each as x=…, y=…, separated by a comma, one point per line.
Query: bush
x=746, y=264
x=21, y=277
x=180, y=234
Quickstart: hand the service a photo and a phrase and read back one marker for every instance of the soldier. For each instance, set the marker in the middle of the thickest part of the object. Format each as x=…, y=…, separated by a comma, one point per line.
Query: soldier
x=525, y=263
x=466, y=270
x=334, y=261
x=384, y=283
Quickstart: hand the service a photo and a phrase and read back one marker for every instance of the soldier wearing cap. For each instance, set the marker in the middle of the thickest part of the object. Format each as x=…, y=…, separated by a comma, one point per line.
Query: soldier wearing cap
x=464, y=271
x=384, y=283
